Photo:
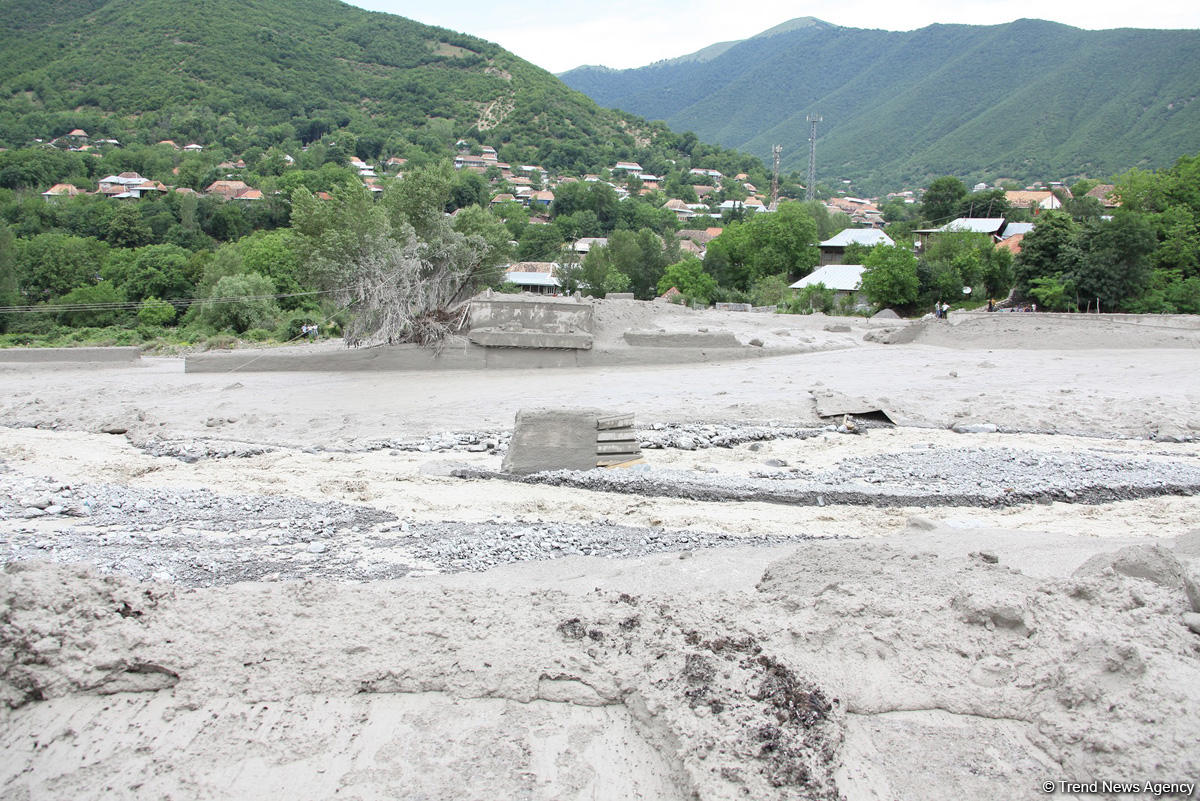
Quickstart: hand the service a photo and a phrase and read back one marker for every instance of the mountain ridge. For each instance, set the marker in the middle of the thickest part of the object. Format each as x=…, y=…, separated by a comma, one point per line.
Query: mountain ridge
x=901, y=108
x=254, y=72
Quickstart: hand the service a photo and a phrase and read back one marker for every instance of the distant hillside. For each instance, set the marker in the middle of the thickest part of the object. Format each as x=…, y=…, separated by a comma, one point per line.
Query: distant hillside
x=1026, y=100
x=255, y=72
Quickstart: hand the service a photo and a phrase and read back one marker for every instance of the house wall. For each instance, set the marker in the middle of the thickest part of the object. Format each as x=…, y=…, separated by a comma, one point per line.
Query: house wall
x=526, y=314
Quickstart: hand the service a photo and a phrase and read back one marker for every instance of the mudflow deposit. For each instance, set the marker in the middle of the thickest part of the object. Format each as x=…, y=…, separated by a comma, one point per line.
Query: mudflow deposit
x=860, y=559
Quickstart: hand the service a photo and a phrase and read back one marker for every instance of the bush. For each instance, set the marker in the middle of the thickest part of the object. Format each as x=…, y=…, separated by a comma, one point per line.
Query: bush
x=155, y=312
x=815, y=298
x=220, y=342
x=769, y=290
x=725, y=294
x=257, y=335
x=236, y=303
x=102, y=297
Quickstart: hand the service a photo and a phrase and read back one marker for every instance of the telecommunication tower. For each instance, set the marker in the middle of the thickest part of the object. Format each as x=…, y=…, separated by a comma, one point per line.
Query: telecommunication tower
x=810, y=188
x=775, y=151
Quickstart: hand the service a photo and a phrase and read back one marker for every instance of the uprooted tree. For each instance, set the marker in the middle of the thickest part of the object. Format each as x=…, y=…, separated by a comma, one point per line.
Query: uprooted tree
x=400, y=265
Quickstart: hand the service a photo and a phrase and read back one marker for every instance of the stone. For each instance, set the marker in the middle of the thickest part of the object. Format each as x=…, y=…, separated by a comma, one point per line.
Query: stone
x=1192, y=621
x=113, y=428
x=921, y=523
x=1187, y=546
x=756, y=342
x=838, y=328
x=974, y=428
x=317, y=547
x=1150, y=562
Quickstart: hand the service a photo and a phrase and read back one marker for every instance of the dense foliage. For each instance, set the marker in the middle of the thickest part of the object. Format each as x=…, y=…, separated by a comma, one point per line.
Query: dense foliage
x=252, y=75
x=1027, y=100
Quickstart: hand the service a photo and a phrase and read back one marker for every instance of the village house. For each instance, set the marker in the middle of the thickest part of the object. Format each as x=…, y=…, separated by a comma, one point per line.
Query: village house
x=992, y=226
x=62, y=190
x=535, y=277
x=584, y=244
x=628, y=166
x=834, y=249
x=1106, y=194
x=680, y=208
x=1027, y=199
x=233, y=190
x=844, y=279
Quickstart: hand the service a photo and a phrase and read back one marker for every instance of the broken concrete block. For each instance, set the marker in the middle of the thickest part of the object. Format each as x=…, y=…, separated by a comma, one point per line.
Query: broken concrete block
x=570, y=439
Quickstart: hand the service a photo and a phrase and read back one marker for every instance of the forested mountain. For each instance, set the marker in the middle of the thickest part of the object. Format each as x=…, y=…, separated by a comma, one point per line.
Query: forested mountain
x=1027, y=100
x=255, y=73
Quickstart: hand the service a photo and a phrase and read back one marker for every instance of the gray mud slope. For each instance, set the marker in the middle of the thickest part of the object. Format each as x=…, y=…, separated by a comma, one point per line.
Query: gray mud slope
x=728, y=695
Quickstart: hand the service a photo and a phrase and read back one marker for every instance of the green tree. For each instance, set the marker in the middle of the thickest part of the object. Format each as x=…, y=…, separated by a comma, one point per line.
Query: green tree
x=52, y=264
x=890, y=277
x=689, y=277
x=102, y=297
x=161, y=271
x=1051, y=249
x=1115, y=261
x=127, y=228
x=540, y=243
x=239, y=303
x=940, y=203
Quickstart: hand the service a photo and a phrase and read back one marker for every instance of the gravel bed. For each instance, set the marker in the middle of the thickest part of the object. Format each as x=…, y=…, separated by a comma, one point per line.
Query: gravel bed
x=919, y=477
x=197, y=538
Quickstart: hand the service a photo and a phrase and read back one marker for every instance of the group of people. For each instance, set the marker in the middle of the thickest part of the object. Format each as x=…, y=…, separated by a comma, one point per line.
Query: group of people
x=310, y=331
x=941, y=310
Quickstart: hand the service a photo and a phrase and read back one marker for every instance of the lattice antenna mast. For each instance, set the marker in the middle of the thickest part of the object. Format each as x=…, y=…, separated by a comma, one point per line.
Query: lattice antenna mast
x=810, y=189
x=775, y=151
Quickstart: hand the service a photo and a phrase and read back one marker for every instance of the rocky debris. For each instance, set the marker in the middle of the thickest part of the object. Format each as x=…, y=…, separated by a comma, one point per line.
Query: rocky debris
x=474, y=547
x=932, y=477
x=194, y=450
x=198, y=538
x=1170, y=432
x=691, y=437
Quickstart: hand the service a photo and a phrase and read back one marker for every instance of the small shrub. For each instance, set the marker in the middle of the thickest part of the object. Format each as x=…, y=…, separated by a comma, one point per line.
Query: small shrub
x=220, y=342
x=257, y=335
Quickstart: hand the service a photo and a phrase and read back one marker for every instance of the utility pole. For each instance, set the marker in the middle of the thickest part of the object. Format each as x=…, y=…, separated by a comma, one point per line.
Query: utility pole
x=775, y=151
x=813, y=119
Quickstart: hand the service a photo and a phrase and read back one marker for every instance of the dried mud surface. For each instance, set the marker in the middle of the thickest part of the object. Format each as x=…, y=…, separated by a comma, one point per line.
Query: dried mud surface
x=316, y=585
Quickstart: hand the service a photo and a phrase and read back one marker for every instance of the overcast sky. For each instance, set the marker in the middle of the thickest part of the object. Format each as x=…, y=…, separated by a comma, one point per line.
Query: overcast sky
x=632, y=33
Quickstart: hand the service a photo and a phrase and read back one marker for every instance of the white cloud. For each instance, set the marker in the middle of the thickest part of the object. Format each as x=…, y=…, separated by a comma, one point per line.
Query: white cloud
x=629, y=33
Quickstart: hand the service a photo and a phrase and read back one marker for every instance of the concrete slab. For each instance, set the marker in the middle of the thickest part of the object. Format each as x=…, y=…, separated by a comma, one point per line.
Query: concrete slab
x=61, y=355
x=552, y=439
x=492, y=338
x=682, y=339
